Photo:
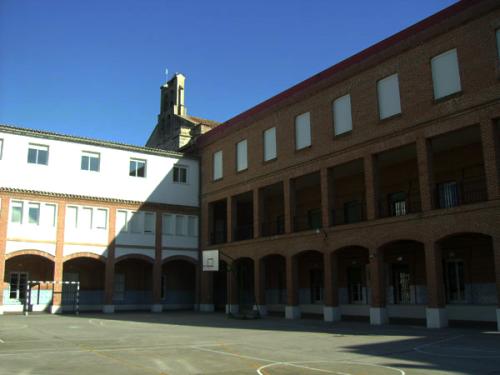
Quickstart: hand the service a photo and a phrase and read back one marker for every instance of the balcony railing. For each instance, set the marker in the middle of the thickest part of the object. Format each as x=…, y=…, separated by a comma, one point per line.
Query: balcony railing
x=465, y=191
x=307, y=222
x=273, y=228
x=351, y=212
x=243, y=232
x=399, y=204
x=218, y=236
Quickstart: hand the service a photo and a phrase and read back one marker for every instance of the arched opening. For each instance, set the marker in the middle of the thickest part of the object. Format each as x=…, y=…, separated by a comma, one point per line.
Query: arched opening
x=220, y=287
x=405, y=279
x=310, y=282
x=90, y=273
x=353, y=281
x=133, y=284
x=469, y=277
x=244, y=295
x=20, y=269
x=275, y=283
x=178, y=284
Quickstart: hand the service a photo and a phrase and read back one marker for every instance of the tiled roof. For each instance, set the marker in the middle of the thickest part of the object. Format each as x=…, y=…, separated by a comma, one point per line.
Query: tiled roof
x=203, y=121
x=89, y=141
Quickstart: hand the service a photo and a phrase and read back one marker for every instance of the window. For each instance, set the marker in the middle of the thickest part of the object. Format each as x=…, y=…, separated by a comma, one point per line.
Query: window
x=149, y=222
x=180, y=174
x=168, y=224
x=217, y=165
x=455, y=283
x=448, y=194
x=445, y=74
x=38, y=154
x=270, y=144
x=101, y=219
x=135, y=223
x=397, y=203
x=16, y=215
x=498, y=51
x=355, y=284
x=352, y=212
x=1, y=148
x=389, y=103
x=90, y=161
x=302, y=131
x=18, y=281
x=342, y=117
x=121, y=221
x=49, y=215
x=71, y=217
x=180, y=225
x=137, y=168
x=34, y=213
x=401, y=284
x=192, y=226
x=86, y=218
x=241, y=156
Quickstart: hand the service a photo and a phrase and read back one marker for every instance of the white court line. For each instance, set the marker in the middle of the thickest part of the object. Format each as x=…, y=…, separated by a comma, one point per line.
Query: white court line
x=419, y=349
x=2, y=342
x=233, y=354
x=297, y=364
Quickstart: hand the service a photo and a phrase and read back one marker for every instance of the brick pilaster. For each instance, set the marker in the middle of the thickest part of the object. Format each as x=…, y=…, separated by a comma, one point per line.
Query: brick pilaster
x=434, y=272
x=230, y=217
x=291, y=281
x=490, y=143
x=110, y=258
x=158, y=259
x=4, y=218
x=331, y=279
x=58, y=259
x=232, y=284
x=259, y=286
x=377, y=279
x=289, y=203
x=257, y=211
x=425, y=173
x=325, y=198
x=206, y=287
x=496, y=254
x=371, y=186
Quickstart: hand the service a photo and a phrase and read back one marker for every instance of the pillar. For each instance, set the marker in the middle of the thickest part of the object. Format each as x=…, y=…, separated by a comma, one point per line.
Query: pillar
x=229, y=218
x=259, y=286
x=378, y=311
x=109, y=276
x=371, y=186
x=233, y=306
x=289, y=198
x=292, y=309
x=425, y=173
x=331, y=310
x=206, y=291
x=4, y=217
x=257, y=211
x=436, y=309
x=325, y=198
x=496, y=254
x=490, y=143
x=157, y=303
x=56, y=307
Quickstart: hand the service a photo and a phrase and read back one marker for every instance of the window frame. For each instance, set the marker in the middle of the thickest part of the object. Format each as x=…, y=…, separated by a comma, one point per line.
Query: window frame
x=180, y=167
x=90, y=155
x=296, y=126
x=12, y=206
x=153, y=223
x=1, y=148
x=380, y=82
x=237, y=149
x=38, y=148
x=214, y=159
x=264, y=144
x=334, y=111
x=434, y=75
x=37, y=206
x=135, y=172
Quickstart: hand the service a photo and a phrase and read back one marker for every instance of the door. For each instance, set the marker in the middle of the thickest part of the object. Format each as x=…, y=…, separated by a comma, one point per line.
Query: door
x=18, y=285
x=455, y=283
x=316, y=282
x=355, y=285
x=401, y=283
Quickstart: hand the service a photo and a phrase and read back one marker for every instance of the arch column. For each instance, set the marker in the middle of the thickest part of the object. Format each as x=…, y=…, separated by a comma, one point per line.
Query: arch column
x=109, y=276
x=233, y=306
x=206, y=290
x=259, y=286
x=331, y=310
x=56, y=307
x=157, y=305
x=292, y=309
x=4, y=214
x=436, y=315
x=378, y=310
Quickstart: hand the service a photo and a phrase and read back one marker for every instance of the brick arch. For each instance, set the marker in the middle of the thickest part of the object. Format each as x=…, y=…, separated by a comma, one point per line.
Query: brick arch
x=386, y=245
x=462, y=233
x=305, y=252
x=180, y=257
x=135, y=256
x=267, y=256
x=343, y=248
x=40, y=253
x=100, y=258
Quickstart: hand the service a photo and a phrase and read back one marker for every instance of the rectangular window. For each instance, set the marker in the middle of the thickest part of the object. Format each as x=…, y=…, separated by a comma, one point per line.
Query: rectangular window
x=445, y=74
x=16, y=215
x=168, y=224
x=342, y=117
x=302, y=131
x=217, y=165
x=180, y=229
x=121, y=221
x=49, y=215
x=192, y=226
x=397, y=202
x=137, y=168
x=135, y=222
x=149, y=222
x=448, y=194
x=1, y=148
x=38, y=154
x=389, y=103
x=71, y=217
x=90, y=161
x=86, y=218
x=34, y=213
x=241, y=155
x=270, y=144
x=180, y=174
x=18, y=281
x=101, y=219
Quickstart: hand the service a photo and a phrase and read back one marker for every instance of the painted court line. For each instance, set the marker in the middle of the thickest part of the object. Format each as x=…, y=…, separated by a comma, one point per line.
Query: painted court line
x=420, y=347
x=2, y=342
x=302, y=365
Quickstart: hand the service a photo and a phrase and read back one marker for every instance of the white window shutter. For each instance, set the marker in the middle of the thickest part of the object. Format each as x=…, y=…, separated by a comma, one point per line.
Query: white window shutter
x=242, y=155
x=217, y=167
x=342, y=117
x=303, y=131
x=389, y=102
x=445, y=74
x=270, y=144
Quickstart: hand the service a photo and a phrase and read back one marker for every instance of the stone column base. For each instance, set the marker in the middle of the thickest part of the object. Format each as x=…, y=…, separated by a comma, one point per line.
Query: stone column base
x=292, y=312
x=207, y=307
x=378, y=316
x=156, y=308
x=436, y=317
x=108, y=309
x=55, y=309
x=232, y=309
x=262, y=309
x=331, y=314
x=498, y=318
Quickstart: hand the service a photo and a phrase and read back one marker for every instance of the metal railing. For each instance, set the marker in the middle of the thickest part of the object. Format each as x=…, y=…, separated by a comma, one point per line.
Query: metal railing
x=459, y=192
x=218, y=236
x=243, y=232
x=394, y=205
x=273, y=228
x=307, y=222
x=351, y=212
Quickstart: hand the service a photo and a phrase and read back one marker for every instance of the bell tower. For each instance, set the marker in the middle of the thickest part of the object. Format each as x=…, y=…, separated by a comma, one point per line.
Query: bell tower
x=172, y=96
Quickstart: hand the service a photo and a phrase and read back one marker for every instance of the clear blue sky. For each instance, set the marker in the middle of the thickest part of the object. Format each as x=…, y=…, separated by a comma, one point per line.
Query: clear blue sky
x=93, y=68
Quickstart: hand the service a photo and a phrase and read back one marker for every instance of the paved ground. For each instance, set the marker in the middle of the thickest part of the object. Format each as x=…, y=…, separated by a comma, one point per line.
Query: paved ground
x=190, y=343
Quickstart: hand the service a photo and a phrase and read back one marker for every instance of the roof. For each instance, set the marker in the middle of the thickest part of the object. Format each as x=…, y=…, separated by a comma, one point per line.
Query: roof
x=199, y=120
x=89, y=141
x=330, y=72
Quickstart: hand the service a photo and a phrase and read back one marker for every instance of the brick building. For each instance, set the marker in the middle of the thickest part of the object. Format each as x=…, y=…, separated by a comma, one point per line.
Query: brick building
x=369, y=190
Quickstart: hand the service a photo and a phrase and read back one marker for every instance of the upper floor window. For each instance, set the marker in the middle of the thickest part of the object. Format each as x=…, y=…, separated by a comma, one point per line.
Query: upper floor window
x=34, y=213
x=192, y=226
x=180, y=174
x=241, y=155
x=302, y=131
x=389, y=103
x=90, y=161
x=270, y=144
x=135, y=223
x=71, y=217
x=168, y=224
x=16, y=215
x=445, y=74
x=149, y=222
x=217, y=165
x=137, y=168
x=180, y=226
x=342, y=117
x=101, y=219
x=121, y=221
x=38, y=154
x=1, y=148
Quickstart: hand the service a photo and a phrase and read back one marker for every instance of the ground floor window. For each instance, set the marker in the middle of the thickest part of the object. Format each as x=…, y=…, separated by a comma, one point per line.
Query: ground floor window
x=18, y=283
x=355, y=284
x=455, y=283
x=401, y=283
